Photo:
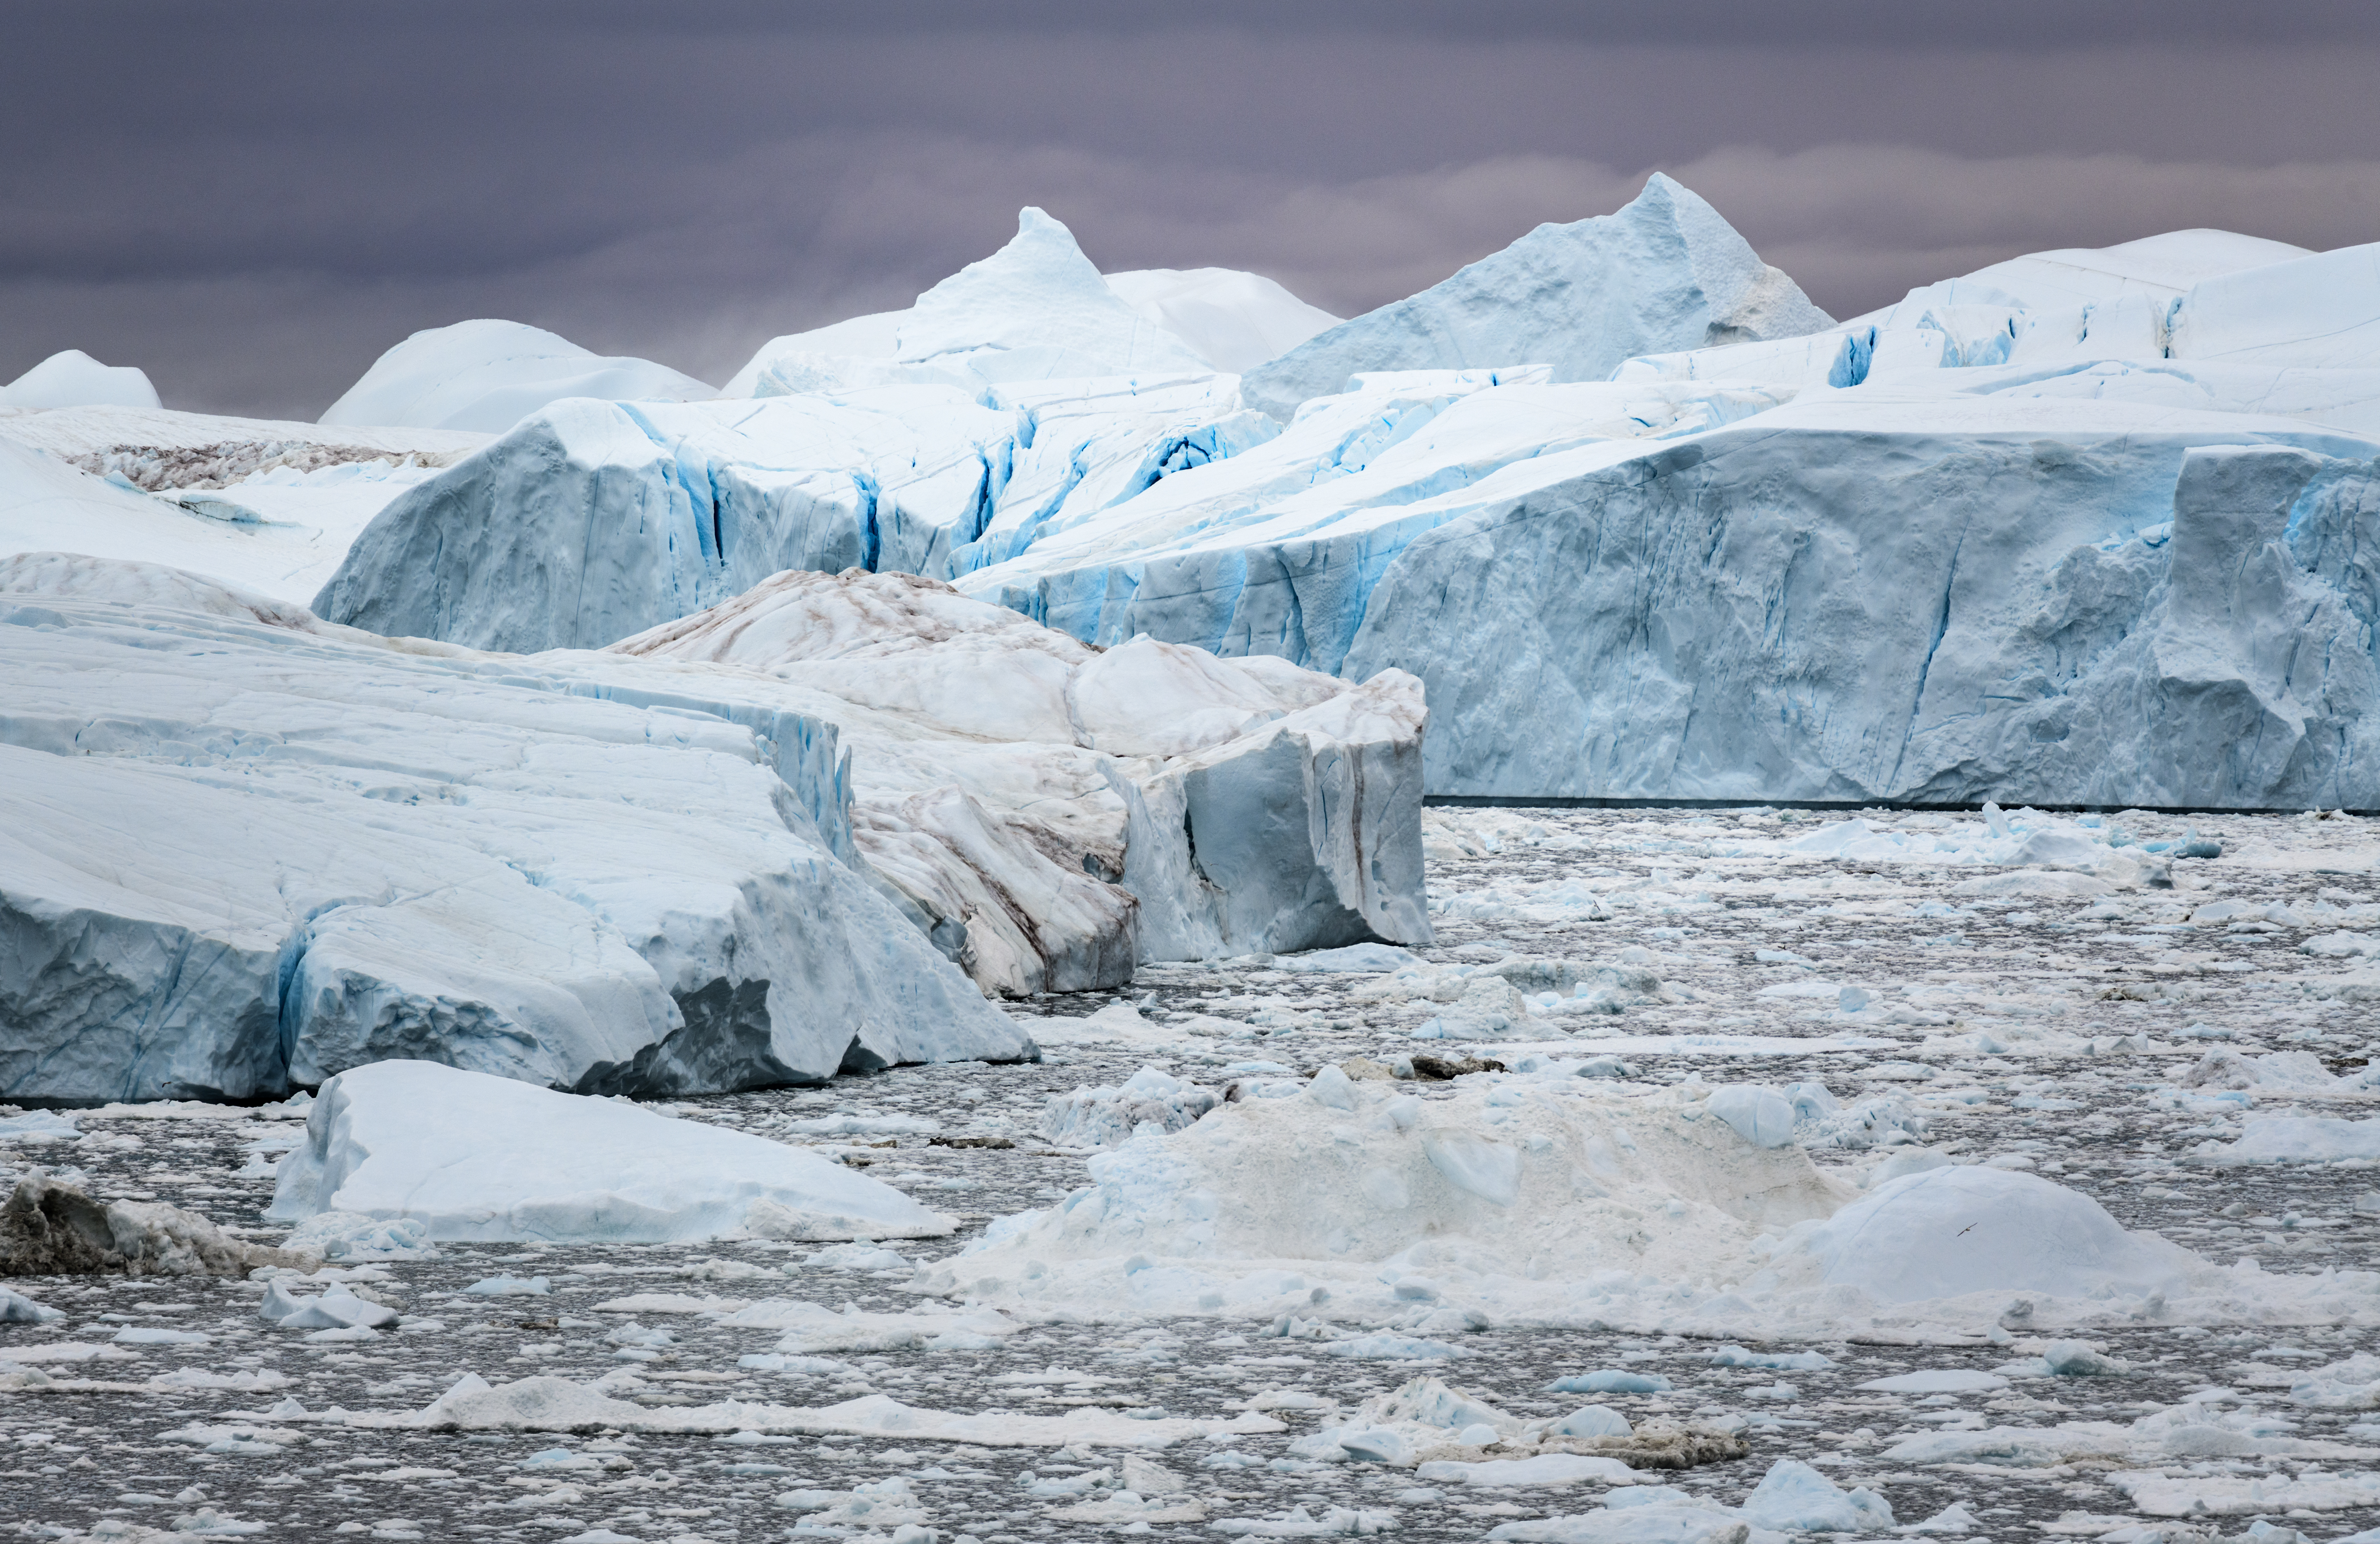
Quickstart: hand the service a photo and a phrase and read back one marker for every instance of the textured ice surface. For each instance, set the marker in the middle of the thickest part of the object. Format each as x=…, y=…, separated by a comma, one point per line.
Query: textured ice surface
x=474, y=1157
x=71, y=378
x=1664, y=273
x=487, y=375
x=591, y=521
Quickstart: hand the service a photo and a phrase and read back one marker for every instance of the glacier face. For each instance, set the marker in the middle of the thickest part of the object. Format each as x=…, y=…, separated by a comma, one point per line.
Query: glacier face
x=1664, y=273
x=486, y=375
x=246, y=849
x=2063, y=601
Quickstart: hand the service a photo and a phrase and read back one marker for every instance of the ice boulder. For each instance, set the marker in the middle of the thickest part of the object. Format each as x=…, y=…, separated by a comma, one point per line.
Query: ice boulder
x=1664, y=273
x=488, y=375
x=473, y=1157
x=240, y=847
x=1233, y=320
x=1761, y=1116
x=1034, y=310
x=73, y=379
x=1949, y=1232
x=1150, y=1099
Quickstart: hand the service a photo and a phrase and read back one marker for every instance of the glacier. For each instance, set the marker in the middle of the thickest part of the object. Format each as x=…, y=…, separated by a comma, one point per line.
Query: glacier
x=486, y=375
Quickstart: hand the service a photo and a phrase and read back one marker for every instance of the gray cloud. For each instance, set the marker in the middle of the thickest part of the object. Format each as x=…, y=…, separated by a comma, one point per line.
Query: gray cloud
x=253, y=211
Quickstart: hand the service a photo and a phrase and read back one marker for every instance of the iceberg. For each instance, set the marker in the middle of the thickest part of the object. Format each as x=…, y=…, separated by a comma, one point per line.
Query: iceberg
x=2091, y=610
x=1273, y=550
x=471, y=1157
x=1664, y=273
x=246, y=849
x=1034, y=310
x=487, y=375
x=73, y=379
x=1057, y=813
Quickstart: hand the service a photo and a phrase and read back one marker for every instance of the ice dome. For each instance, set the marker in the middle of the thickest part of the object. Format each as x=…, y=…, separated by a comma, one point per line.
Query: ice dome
x=71, y=378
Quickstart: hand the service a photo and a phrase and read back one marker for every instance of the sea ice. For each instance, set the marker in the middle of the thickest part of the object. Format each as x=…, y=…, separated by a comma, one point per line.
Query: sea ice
x=487, y=375
x=474, y=1157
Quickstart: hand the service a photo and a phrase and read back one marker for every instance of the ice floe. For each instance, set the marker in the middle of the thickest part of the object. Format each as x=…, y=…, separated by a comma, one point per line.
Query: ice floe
x=468, y=1156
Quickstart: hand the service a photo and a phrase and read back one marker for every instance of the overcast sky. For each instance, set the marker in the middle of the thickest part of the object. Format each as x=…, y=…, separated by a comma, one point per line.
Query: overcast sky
x=251, y=202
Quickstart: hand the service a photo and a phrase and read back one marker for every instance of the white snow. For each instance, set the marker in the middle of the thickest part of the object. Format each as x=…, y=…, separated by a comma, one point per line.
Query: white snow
x=1232, y=321
x=71, y=378
x=474, y=1157
x=487, y=375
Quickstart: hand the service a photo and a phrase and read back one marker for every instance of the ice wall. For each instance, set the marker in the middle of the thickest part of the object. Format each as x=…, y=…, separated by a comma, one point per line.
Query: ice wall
x=2072, y=601
x=1664, y=273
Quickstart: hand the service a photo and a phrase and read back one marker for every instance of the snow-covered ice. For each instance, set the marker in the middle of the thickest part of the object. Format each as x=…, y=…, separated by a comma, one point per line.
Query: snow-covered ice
x=71, y=378
x=487, y=375
x=470, y=1156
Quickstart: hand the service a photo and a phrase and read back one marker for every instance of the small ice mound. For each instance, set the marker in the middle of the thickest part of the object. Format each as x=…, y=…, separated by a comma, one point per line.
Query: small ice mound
x=1538, y=1178
x=1949, y=1232
x=73, y=379
x=1793, y=1497
x=350, y=1236
x=1354, y=958
x=1104, y=1116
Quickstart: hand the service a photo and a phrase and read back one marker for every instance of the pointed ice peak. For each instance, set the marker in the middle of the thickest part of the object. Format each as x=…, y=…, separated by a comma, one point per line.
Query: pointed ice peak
x=1040, y=265
x=1039, y=296
x=1663, y=273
